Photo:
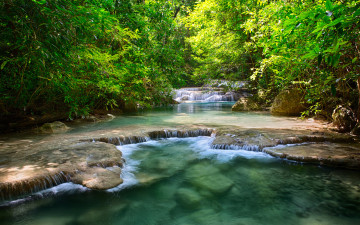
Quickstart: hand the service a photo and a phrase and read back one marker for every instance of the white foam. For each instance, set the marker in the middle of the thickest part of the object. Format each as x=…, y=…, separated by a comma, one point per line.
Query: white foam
x=202, y=147
x=65, y=188
x=288, y=145
x=130, y=165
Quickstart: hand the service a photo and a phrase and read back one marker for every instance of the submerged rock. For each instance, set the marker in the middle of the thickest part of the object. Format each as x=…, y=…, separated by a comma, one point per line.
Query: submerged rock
x=205, y=176
x=344, y=118
x=288, y=103
x=188, y=197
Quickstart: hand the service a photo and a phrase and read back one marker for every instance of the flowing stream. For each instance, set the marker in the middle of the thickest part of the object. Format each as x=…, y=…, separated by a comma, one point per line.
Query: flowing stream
x=183, y=181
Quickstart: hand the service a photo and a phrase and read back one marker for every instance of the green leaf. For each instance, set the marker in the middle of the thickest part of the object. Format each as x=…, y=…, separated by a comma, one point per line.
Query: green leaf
x=3, y=64
x=40, y=2
x=328, y=5
x=336, y=60
x=354, y=59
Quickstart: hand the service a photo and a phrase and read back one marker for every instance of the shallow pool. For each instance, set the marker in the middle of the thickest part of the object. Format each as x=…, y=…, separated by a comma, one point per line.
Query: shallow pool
x=183, y=181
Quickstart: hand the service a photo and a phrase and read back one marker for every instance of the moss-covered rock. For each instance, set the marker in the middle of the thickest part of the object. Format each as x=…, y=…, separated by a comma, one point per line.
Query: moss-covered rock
x=247, y=104
x=54, y=127
x=288, y=103
x=344, y=118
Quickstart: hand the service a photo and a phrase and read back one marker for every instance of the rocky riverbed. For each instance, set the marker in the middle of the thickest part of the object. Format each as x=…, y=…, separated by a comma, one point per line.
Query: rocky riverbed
x=35, y=162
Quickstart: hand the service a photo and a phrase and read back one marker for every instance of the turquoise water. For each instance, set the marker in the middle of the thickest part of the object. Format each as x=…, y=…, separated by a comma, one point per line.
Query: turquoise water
x=211, y=114
x=184, y=182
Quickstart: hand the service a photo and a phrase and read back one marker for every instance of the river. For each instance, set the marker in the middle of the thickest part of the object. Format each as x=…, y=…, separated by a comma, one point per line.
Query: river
x=185, y=181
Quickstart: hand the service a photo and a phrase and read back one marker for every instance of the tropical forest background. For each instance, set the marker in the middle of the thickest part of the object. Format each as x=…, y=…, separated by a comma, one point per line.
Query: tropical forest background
x=77, y=56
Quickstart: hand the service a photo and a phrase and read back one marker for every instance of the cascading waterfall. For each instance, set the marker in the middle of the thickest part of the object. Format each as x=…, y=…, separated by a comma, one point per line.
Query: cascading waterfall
x=214, y=91
x=155, y=135
x=253, y=148
x=205, y=94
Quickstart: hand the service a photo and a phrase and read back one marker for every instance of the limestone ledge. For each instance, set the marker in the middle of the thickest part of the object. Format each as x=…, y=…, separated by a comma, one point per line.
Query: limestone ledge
x=82, y=163
x=326, y=148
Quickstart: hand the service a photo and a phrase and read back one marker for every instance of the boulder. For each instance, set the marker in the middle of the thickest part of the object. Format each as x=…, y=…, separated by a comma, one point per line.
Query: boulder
x=246, y=104
x=288, y=103
x=54, y=127
x=344, y=118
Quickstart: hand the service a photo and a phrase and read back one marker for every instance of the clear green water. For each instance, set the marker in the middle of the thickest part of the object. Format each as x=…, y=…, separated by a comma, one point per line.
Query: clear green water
x=183, y=181
x=208, y=114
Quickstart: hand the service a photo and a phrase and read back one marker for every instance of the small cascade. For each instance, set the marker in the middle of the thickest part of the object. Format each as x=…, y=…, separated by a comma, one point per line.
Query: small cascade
x=122, y=140
x=253, y=148
x=180, y=133
x=24, y=187
x=205, y=94
x=154, y=135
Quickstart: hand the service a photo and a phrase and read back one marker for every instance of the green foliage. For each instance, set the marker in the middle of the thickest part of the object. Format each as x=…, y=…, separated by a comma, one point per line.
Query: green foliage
x=279, y=44
x=82, y=55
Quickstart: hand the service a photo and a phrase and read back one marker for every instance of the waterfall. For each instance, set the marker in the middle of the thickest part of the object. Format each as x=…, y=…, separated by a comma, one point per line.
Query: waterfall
x=254, y=148
x=23, y=187
x=205, y=94
x=154, y=135
x=212, y=91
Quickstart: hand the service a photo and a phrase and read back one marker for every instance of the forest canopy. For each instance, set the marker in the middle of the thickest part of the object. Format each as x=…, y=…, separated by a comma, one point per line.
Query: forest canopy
x=79, y=55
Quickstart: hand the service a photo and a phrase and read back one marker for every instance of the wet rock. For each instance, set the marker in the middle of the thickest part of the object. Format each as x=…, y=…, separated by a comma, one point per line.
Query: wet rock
x=149, y=178
x=52, y=164
x=184, y=98
x=331, y=154
x=246, y=104
x=97, y=178
x=54, y=127
x=344, y=118
x=91, y=118
x=251, y=140
x=188, y=198
x=288, y=103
